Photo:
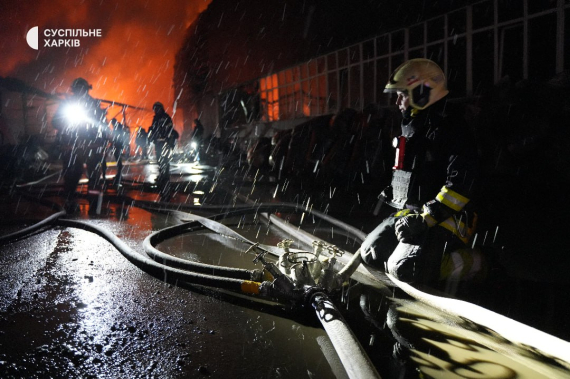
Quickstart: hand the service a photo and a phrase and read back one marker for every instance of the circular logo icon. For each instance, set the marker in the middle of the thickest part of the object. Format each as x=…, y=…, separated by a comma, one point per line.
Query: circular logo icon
x=32, y=38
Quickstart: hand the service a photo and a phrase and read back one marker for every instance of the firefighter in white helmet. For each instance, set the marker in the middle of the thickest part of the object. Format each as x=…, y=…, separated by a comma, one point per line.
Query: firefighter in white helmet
x=433, y=179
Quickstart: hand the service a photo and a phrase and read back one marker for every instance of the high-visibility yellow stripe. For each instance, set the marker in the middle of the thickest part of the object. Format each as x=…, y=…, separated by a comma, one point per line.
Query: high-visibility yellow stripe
x=458, y=228
x=403, y=212
x=247, y=286
x=430, y=221
x=451, y=199
x=463, y=264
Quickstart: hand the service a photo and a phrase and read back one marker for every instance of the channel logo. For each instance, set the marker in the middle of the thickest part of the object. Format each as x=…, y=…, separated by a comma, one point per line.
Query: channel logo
x=32, y=37
x=60, y=37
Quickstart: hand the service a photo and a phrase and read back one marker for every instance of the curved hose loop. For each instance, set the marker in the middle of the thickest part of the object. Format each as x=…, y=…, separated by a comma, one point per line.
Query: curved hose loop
x=236, y=210
x=353, y=266
x=161, y=271
x=196, y=222
x=231, y=282
x=349, y=350
x=349, y=268
x=159, y=236
x=155, y=238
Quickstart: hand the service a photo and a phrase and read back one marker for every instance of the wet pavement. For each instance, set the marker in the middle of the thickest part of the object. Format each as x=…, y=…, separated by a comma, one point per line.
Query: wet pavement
x=72, y=305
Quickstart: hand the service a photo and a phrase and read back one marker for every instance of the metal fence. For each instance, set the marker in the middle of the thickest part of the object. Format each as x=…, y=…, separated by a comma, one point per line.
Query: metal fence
x=476, y=46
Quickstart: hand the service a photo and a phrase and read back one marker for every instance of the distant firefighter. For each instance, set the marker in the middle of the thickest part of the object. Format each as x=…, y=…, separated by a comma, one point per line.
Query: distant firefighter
x=82, y=135
x=196, y=140
x=141, y=140
x=198, y=132
x=120, y=144
x=163, y=135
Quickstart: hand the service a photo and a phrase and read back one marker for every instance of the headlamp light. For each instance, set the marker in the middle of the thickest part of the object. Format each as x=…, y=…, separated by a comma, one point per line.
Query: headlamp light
x=75, y=113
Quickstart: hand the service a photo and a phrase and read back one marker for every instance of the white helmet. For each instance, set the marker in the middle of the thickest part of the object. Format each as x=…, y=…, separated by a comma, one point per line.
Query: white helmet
x=422, y=79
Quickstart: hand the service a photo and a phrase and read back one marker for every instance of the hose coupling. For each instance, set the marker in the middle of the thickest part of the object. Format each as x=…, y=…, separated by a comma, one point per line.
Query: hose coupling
x=310, y=293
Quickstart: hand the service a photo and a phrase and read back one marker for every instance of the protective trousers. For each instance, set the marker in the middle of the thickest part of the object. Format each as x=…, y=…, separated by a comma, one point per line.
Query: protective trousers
x=163, y=155
x=408, y=263
x=73, y=160
x=118, y=154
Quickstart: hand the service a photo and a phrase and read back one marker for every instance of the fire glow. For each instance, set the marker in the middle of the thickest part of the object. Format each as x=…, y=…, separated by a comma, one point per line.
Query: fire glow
x=132, y=62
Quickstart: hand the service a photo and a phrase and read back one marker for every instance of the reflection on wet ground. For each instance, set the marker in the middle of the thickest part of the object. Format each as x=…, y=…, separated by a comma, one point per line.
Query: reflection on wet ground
x=72, y=306
x=410, y=336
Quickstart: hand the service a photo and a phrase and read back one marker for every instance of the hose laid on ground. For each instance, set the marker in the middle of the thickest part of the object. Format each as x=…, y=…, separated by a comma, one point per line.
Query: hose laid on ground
x=237, y=280
x=554, y=346
x=363, y=274
x=511, y=330
x=350, y=351
x=166, y=233
x=352, y=266
x=39, y=225
x=30, y=229
x=155, y=238
x=158, y=270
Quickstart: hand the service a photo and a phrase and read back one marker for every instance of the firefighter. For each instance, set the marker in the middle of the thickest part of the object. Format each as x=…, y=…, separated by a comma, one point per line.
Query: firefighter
x=198, y=132
x=196, y=140
x=141, y=141
x=120, y=143
x=163, y=135
x=433, y=179
x=83, y=137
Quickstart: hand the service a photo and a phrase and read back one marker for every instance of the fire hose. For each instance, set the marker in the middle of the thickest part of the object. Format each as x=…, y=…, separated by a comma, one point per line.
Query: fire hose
x=349, y=350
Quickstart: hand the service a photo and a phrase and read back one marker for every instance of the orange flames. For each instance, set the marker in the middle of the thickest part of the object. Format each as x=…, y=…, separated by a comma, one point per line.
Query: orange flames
x=132, y=62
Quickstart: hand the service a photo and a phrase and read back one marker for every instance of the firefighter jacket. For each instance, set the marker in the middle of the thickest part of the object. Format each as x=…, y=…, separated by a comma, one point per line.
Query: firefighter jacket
x=435, y=168
x=162, y=129
x=81, y=122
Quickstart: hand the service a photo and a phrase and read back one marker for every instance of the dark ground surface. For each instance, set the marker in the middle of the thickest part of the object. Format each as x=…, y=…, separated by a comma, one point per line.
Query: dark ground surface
x=73, y=306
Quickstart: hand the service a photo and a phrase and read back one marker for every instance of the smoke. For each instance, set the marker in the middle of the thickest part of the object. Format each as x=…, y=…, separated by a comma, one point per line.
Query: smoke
x=132, y=62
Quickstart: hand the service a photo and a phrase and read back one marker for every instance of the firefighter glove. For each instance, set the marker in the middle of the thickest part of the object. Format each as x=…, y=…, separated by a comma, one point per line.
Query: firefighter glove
x=410, y=228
